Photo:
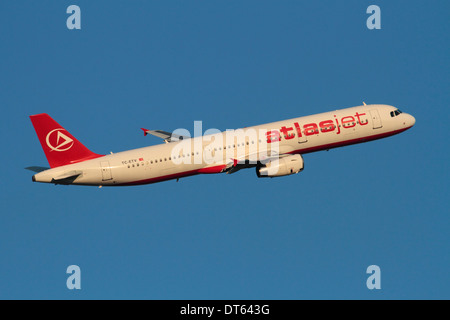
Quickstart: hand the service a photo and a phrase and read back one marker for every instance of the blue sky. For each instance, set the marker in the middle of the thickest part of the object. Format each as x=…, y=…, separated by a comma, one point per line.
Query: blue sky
x=163, y=65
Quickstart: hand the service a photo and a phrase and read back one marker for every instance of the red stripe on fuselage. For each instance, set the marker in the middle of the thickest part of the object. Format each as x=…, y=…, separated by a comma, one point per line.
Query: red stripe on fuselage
x=215, y=169
x=347, y=142
x=299, y=151
x=159, y=179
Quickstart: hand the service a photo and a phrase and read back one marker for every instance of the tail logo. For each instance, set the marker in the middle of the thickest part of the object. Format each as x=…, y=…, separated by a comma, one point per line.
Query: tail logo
x=60, y=140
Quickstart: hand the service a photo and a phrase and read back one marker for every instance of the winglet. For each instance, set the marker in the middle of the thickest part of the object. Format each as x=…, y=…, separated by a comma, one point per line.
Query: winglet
x=166, y=136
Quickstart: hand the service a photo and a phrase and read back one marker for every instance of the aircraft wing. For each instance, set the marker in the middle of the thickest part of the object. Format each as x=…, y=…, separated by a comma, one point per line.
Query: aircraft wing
x=236, y=164
x=166, y=136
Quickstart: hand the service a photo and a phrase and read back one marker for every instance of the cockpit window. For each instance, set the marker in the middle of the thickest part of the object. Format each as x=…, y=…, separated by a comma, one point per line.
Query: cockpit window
x=395, y=113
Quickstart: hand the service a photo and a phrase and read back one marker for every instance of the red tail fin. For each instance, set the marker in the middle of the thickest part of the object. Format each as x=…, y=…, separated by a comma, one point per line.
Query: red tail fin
x=60, y=147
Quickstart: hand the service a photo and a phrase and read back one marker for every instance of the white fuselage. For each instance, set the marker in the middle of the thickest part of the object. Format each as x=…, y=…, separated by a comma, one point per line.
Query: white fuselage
x=217, y=153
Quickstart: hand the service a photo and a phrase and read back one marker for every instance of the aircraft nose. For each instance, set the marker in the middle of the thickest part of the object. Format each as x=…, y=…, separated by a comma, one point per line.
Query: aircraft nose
x=411, y=120
x=408, y=120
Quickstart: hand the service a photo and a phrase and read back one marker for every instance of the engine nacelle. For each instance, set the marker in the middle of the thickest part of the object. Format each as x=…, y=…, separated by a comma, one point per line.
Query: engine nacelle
x=281, y=167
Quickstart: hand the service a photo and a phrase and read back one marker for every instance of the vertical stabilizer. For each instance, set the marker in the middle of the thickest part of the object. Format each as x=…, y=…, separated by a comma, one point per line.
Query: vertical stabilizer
x=60, y=147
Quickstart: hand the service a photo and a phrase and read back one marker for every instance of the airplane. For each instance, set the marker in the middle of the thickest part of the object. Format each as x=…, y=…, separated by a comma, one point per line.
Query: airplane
x=275, y=149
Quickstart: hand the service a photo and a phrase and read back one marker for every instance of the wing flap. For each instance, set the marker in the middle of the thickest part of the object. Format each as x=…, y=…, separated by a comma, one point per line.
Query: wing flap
x=251, y=159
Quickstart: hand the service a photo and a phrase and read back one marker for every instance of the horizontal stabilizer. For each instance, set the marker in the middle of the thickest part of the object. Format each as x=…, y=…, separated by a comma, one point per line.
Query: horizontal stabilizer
x=67, y=178
x=70, y=174
x=37, y=169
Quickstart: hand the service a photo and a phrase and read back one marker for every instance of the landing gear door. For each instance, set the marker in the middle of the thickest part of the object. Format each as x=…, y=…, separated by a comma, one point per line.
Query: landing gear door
x=106, y=171
x=376, y=120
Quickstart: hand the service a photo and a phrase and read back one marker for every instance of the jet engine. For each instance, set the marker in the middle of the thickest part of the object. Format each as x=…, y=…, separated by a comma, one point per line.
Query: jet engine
x=282, y=167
